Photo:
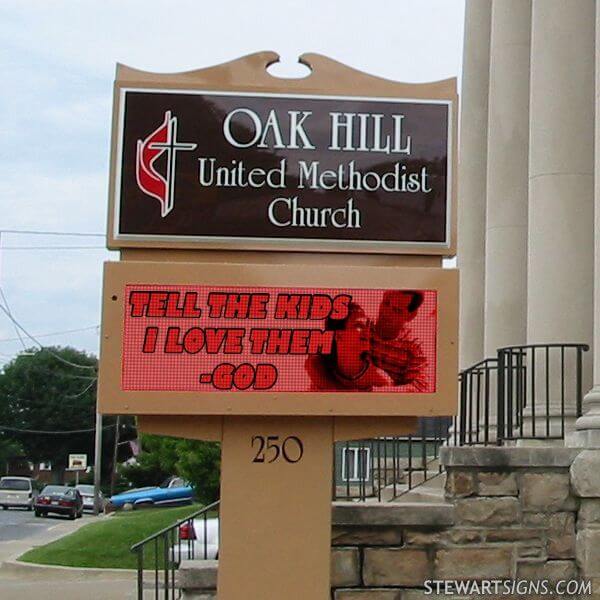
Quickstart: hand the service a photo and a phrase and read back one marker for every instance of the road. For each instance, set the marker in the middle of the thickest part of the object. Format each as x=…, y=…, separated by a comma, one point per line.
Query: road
x=21, y=530
x=22, y=525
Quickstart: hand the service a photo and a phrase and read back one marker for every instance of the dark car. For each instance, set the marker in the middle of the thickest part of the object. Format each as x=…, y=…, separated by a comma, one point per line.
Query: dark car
x=59, y=499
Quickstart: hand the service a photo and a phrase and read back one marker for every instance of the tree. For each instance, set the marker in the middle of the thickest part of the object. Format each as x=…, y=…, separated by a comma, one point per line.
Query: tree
x=51, y=389
x=8, y=449
x=154, y=464
x=200, y=463
x=195, y=461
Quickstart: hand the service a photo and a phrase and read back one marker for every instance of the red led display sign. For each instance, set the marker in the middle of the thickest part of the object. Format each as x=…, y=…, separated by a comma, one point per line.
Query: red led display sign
x=200, y=338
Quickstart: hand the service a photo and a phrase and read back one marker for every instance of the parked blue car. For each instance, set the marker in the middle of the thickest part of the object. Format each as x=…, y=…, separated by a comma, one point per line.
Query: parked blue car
x=173, y=491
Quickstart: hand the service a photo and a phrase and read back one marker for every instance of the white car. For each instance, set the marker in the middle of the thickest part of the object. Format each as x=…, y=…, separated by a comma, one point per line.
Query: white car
x=17, y=492
x=87, y=493
x=191, y=543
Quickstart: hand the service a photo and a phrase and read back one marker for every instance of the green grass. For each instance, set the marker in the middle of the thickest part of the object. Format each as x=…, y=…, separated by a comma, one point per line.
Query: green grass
x=105, y=544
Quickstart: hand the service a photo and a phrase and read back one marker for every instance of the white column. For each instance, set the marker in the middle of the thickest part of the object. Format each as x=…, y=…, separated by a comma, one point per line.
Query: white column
x=588, y=426
x=472, y=162
x=507, y=176
x=561, y=159
x=472, y=178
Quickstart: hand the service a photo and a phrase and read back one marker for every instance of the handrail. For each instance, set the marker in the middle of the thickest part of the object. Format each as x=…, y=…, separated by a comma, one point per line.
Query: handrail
x=472, y=424
x=479, y=365
x=175, y=525
x=584, y=347
x=534, y=384
x=384, y=466
x=165, y=551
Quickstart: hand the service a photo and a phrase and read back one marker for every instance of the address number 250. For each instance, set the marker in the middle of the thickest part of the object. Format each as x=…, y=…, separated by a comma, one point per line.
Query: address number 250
x=271, y=448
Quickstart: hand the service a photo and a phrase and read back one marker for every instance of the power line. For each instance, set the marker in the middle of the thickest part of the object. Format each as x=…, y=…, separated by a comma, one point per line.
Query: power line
x=53, y=248
x=64, y=331
x=40, y=431
x=79, y=394
x=5, y=299
x=42, y=347
x=20, y=402
x=60, y=233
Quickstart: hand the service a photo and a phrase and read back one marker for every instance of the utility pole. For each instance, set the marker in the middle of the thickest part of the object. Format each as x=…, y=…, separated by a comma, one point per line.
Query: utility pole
x=97, y=463
x=113, y=474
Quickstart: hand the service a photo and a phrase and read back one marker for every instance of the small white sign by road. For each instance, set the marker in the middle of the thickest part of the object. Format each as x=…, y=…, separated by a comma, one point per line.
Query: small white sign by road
x=77, y=462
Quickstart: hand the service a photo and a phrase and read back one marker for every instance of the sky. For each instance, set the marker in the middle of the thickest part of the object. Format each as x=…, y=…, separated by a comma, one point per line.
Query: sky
x=58, y=62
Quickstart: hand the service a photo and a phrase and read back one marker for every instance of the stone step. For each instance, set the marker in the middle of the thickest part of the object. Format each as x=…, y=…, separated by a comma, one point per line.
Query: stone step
x=419, y=497
x=418, y=514
x=197, y=579
x=433, y=486
x=418, y=494
x=422, y=490
x=192, y=595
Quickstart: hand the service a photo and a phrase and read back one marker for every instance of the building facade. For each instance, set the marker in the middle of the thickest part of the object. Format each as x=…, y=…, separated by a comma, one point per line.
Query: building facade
x=529, y=210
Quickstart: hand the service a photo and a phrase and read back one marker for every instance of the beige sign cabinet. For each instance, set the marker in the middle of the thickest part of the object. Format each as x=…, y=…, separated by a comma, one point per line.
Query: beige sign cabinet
x=276, y=517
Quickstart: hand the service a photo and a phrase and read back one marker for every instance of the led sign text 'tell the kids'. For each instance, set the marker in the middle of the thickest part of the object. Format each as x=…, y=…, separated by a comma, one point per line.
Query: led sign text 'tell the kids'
x=277, y=170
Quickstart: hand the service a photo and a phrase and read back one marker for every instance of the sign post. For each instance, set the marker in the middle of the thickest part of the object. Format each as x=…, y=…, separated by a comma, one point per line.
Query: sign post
x=77, y=463
x=280, y=286
x=284, y=478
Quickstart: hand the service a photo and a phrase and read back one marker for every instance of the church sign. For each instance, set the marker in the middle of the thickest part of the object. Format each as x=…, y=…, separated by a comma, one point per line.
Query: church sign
x=272, y=171
x=263, y=297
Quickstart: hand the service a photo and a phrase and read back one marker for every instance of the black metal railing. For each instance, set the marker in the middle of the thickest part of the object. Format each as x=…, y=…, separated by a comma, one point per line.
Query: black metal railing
x=540, y=386
x=159, y=555
x=476, y=402
x=525, y=392
x=385, y=468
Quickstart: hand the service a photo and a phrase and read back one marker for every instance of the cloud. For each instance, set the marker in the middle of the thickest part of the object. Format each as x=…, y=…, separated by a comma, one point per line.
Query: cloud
x=80, y=116
x=38, y=199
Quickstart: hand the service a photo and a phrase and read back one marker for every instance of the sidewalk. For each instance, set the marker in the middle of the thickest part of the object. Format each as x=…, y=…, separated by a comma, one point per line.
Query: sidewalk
x=11, y=549
x=109, y=589
x=22, y=581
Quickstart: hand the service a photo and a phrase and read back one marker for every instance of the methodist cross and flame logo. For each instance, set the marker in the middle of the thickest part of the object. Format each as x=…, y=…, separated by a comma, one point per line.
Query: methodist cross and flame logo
x=163, y=140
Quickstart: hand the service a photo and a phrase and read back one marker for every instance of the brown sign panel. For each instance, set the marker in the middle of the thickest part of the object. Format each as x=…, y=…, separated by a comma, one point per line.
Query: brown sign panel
x=220, y=339
x=249, y=170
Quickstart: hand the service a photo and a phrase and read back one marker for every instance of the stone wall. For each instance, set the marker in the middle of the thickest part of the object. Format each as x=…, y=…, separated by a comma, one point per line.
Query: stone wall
x=509, y=513
x=517, y=503
x=513, y=515
x=380, y=550
x=585, y=480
